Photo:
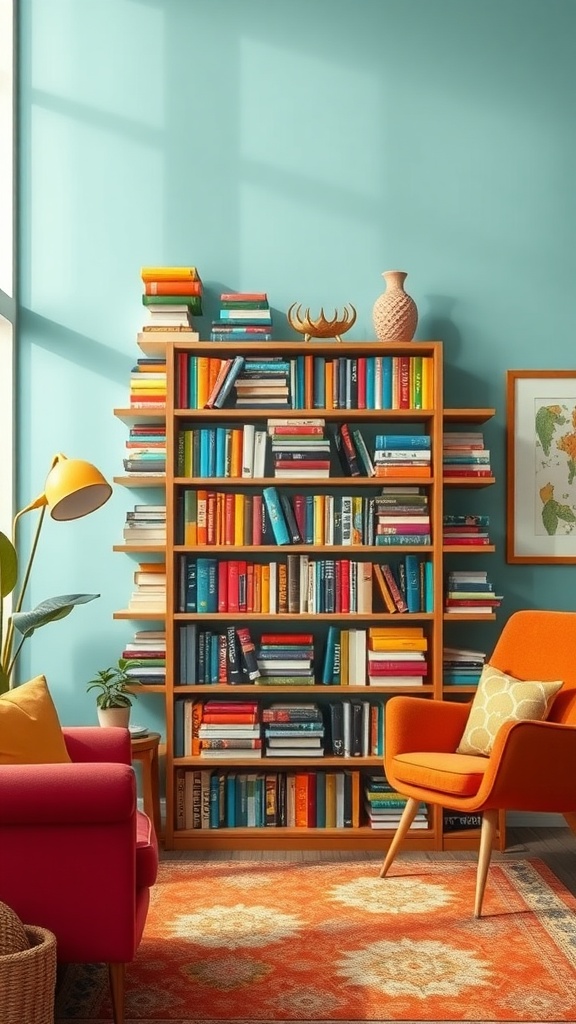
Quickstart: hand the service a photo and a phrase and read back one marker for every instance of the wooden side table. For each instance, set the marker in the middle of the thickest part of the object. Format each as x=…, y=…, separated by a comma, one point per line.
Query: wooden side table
x=145, y=750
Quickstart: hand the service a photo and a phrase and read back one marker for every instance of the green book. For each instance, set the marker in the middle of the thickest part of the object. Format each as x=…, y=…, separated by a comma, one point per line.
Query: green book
x=193, y=301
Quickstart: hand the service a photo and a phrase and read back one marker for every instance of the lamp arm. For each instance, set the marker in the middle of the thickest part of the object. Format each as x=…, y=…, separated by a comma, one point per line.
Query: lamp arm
x=7, y=650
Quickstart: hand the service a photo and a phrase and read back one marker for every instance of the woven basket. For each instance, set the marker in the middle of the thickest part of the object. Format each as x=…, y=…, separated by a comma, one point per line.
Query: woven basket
x=27, y=971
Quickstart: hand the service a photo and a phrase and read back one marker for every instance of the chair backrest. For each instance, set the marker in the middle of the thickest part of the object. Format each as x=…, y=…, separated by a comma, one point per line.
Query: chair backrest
x=542, y=645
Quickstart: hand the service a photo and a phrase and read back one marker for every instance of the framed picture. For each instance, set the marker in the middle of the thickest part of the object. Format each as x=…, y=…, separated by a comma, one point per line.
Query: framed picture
x=541, y=466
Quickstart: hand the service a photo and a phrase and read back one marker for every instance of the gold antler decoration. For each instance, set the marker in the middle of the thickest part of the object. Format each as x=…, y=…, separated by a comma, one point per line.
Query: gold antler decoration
x=321, y=327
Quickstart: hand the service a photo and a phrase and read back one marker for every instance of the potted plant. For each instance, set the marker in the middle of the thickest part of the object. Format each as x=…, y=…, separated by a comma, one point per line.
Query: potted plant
x=113, y=701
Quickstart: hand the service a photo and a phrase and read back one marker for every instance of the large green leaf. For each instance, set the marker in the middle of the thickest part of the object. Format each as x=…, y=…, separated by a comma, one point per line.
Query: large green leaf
x=8, y=565
x=48, y=611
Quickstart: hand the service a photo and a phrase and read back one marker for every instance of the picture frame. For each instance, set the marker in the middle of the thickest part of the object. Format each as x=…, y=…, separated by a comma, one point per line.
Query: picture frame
x=541, y=466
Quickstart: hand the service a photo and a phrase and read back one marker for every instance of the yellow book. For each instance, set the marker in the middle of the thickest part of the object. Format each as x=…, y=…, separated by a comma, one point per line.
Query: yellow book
x=427, y=382
x=330, y=799
x=147, y=382
x=238, y=520
x=169, y=274
x=344, y=656
x=318, y=519
x=265, y=588
x=395, y=631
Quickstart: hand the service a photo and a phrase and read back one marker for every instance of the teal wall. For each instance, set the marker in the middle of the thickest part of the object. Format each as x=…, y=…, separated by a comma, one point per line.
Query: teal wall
x=299, y=148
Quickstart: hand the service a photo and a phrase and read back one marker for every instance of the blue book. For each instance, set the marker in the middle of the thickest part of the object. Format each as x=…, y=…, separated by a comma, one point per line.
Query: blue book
x=231, y=800
x=428, y=587
x=179, y=728
x=228, y=384
x=276, y=515
x=386, y=382
x=192, y=383
x=329, y=653
x=299, y=396
x=191, y=586
x=309, y=519
x=411, y=563
x=402, y=441
x=319, y=392
x=207, y=585
x=220, y=451
x=214, y=657
x=211, y=452
x=204, y=451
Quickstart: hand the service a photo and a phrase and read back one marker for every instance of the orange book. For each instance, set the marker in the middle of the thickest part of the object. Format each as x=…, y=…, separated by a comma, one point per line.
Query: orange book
x=229, y=501
x=265, y=589
x=196, y=720
x=230, y=718
x=301, y=799
x=220, y=517
x=152, y=566
x=383, y=588
x=238, y=520
x=211, y=517
x=203, y=384
x=168, y=287
x=215, y=365
x=355, y=798
x=282, y=571
x=427, y=382
x=329, y=384
x=402, y=471
x=257, y=599
x=236, y=453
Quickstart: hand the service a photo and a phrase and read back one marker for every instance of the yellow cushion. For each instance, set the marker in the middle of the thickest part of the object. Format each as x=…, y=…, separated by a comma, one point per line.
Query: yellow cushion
x=501, y=698
x=30, y=731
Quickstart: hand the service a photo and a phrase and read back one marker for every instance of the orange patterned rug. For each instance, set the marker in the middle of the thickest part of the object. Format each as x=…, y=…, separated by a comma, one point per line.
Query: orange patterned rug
x=332, y=942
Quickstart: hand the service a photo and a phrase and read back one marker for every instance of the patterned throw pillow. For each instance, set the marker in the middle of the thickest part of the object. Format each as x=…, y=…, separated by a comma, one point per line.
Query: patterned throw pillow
x=30, y=730
x=501, y=698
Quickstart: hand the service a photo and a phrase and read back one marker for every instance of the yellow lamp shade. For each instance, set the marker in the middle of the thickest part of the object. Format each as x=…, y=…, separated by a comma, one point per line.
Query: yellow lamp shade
x=74, y=488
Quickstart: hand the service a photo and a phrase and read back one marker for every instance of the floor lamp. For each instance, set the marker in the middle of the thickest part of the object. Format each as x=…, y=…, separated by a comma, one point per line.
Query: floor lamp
x=73, y=489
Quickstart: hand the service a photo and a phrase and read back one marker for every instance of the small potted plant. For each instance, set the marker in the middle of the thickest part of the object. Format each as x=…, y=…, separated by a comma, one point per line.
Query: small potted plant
x=113, y=701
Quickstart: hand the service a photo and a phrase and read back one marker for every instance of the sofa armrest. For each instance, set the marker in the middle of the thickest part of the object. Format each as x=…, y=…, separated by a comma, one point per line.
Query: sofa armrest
x=95, y=743
x=415, y=723
x=61, y=794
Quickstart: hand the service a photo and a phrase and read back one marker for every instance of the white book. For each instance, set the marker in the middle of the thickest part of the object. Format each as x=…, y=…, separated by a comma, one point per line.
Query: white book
x=294, y=474
x=259, y=453
x=346, y=511
x=248, y=450
x=347, y=727
x=273, y=588
x=303, y=596
x=329, y=519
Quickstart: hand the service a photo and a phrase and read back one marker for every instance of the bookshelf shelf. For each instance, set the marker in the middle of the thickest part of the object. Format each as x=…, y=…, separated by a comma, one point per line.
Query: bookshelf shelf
x=432, y=422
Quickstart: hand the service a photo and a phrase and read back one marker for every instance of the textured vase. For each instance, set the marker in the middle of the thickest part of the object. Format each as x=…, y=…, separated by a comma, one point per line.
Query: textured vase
x=395, y=315
x=114, y=716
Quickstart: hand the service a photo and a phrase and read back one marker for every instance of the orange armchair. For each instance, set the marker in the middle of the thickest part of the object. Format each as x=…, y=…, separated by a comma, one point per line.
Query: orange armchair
x=532, y=766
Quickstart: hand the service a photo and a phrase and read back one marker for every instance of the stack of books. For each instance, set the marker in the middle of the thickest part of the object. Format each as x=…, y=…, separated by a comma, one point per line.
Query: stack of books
x=263, y=382
x=149, y=594
x=230, y=729
x=300, y=448
x=148, y=383
x=402, y=518
x=402, y=455
x=384, y=806
x=243, y=316
x=469, y=530
x=145, y=525
x=397, y=657
x=293, y=730
x=146, y=449
x=462, y=667
x=148, y=646
x=285, y=659
x=464, y=455
x=172, y=297
x=470, y=593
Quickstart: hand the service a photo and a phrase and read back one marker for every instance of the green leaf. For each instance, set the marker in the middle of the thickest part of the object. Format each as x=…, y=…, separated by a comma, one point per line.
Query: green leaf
x=48, y=611
x=550, y=517
x=8, y=565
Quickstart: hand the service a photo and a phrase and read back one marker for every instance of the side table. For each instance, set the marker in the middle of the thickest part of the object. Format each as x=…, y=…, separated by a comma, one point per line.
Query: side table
x=145, y=750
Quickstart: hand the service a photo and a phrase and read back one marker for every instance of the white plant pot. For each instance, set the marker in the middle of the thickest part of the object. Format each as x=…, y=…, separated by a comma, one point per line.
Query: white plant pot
x=114, y=716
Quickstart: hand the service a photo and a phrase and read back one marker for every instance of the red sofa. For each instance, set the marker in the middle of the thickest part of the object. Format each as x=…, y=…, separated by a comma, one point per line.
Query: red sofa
x=76, y=856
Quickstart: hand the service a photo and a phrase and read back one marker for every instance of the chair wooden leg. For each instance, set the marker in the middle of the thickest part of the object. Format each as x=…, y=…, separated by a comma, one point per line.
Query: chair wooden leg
x=408, y=815
x=117, y=976
x=489, y=823
x=570, y=817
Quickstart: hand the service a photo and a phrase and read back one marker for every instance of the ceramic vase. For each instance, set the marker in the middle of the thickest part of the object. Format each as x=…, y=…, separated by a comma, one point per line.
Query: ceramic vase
x=395, y=314
x=114, y=716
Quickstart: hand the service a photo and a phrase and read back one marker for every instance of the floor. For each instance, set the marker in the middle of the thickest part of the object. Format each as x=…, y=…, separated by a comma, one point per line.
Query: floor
x=555, y=846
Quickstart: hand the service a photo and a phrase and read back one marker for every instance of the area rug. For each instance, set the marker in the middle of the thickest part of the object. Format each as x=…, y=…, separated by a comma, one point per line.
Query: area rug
x=332, y=942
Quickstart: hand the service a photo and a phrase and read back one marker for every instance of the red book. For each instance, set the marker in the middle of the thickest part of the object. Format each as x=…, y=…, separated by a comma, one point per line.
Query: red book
x=394, y=589
x=240, y=706
x=284, y=639
x=242, y=586
x=173, y=288
x=233, y=582
x=452, y=471
x=472, y=541
x=182, y=380
x=295, y=428
x=344, y=585
x=404, y=381
x=257, y=519
x=297, y=464
x=229, y=718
